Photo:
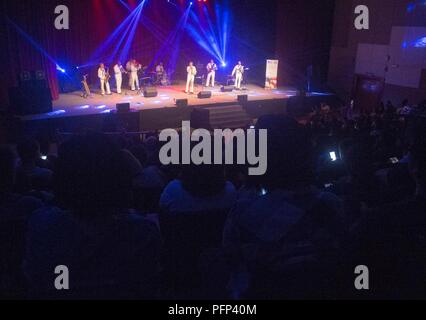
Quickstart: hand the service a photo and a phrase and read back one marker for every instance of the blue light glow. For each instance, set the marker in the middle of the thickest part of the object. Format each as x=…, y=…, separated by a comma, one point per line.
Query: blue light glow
x=212, y=34
x=420, y=43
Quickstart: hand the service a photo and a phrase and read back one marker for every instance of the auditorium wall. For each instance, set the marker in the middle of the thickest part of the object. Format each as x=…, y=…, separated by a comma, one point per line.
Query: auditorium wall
x=392, y=48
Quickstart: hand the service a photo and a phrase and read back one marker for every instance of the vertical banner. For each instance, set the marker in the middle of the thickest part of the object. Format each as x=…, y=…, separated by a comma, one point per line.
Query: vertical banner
x=271, y=74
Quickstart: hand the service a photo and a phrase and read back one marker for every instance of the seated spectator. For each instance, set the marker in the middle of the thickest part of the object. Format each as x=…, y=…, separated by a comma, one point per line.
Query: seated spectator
x=290, y=211
x=200, y=188
x=110, y=251
x=391, y=239
x=30, y=175
x=15, y=210
x=13, y=205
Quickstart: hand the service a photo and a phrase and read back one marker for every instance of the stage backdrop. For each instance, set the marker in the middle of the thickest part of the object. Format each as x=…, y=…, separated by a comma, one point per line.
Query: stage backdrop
x=39, y=46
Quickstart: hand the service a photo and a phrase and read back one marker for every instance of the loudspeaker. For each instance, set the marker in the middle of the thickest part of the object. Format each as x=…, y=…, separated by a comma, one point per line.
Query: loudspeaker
x=30, y=100
x=123, y=107
x=150, y=92
x=182, y=102
x=227, y=88
x=243, y=98
x=205, y=95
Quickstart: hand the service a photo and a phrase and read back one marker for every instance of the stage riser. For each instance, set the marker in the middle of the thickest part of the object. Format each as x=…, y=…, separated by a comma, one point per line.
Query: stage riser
x=157, y=119
x=220, y=118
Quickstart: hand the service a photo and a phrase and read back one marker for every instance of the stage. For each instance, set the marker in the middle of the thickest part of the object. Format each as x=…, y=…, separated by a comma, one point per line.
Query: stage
x=72, y=112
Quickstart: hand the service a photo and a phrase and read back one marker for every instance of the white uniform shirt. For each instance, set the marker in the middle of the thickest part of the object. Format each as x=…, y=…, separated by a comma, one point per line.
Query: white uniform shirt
x=191, y=70
x=118, y=69
x=239, y=69
x=101, y=73
x=211, y=67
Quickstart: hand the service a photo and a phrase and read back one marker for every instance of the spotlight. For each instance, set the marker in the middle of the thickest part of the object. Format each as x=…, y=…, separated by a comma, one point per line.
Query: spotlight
x=224, y=64
x=60, y=69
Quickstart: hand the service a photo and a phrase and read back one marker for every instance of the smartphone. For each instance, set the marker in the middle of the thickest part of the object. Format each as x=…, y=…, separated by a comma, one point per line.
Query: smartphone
x=44, y=158
x=394, y=160
x=333, y=156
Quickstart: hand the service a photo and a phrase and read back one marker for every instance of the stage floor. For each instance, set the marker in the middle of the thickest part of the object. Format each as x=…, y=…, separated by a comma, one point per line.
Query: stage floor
x=72, y=104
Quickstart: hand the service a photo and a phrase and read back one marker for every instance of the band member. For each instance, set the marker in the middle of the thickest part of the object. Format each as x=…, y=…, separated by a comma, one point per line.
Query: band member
x=238, y=73
x=118, y=72
x=159, y=70
x=192, y=72
x=134, y=79
x=103, y=76
x=211, y=73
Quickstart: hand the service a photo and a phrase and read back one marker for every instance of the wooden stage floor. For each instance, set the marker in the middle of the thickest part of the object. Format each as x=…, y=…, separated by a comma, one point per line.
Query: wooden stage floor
x=72, y=104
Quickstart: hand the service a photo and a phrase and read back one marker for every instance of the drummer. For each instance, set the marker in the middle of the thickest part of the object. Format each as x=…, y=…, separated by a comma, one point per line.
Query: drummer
x=159, y=70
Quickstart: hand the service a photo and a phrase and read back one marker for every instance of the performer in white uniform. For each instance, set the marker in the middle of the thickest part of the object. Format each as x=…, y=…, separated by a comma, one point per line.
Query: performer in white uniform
x=238, y=73
x=211, y=73
x=134, y=79
x=159, y=71
x=103, y=77
x=192, y=72
x=118, y=72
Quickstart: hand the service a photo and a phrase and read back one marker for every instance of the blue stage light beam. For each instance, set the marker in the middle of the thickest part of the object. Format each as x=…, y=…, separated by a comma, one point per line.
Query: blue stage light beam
x=125, y=52
x=212, y=37
x=125, y=5
x=203, y=33
x=113, y=35
x=100, y=54
x=172, y=41
x=36, y=45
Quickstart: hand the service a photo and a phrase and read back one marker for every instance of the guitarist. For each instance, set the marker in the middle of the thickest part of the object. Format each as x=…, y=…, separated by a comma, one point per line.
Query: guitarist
x=104, y=76
x=211, y=73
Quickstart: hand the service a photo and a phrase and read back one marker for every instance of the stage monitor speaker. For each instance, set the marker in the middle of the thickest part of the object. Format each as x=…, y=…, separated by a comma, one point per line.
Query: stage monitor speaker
x=205, y=95
x=243, y=98
x=182, y=103
x=123, y=107
x=31, y=100
x=227, y=88
x=150, y=92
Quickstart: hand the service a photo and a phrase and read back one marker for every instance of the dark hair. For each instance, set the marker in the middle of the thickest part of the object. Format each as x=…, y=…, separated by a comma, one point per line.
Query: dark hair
x=28, y=150
x=290, y=161
x=418, y=155
x=93, y=173
x=7, y=168
x=203, y=180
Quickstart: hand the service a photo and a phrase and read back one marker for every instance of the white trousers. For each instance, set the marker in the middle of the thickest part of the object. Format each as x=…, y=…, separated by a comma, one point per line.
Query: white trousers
x=119, y=82
x=134, y=81
x=105, y=85
x=210, y=79
x=190, y=84
x=238, y=80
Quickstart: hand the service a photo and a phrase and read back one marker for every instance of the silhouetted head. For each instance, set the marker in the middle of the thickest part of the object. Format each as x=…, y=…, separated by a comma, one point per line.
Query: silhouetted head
x=7, y=168
x=93, y=175
x=418, y=162
x=28, y=150
x=290, y=162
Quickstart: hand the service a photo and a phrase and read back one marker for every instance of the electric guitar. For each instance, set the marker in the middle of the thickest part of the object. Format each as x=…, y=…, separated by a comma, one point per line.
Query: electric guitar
x=213, y=68
x=107, y=76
